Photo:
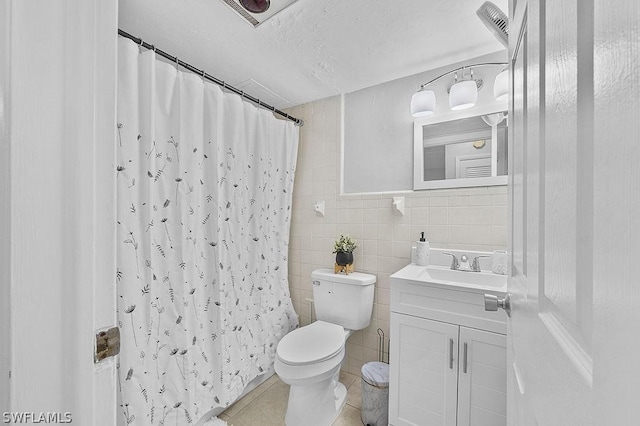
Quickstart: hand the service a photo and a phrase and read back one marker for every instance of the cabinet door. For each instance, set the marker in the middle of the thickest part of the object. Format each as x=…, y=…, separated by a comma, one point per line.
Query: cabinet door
x=424, y=369
x=482, y=378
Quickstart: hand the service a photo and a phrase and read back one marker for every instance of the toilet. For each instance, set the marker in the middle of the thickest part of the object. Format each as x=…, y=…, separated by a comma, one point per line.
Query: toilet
x=309, y=358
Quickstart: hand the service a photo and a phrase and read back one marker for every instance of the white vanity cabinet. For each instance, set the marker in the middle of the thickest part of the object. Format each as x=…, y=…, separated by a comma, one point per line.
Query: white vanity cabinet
x=447, y=356
x=482, y=378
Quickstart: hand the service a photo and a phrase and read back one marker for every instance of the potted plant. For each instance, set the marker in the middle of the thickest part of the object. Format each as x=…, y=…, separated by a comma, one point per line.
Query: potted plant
x=343, y=248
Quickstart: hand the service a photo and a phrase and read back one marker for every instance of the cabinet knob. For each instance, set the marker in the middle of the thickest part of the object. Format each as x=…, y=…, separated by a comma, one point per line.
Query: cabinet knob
x=492, y=303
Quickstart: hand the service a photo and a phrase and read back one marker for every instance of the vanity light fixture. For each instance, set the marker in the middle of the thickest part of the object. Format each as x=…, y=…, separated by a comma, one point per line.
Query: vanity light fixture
x=463, y=92
x=501, y=86
x=423, y=103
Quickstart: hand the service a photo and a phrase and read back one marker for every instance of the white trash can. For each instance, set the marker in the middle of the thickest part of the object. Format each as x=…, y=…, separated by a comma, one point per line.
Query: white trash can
x=375, y=394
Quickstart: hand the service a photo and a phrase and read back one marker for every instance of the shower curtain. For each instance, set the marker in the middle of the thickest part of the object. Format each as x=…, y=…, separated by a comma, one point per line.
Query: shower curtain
x=204, y=184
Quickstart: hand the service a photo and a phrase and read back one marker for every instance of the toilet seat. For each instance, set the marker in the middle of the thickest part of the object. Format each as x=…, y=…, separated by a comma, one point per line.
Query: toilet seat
x=311, y=344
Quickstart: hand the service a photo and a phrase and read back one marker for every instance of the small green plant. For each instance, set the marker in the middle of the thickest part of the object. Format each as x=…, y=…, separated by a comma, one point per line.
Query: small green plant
x=344, y=244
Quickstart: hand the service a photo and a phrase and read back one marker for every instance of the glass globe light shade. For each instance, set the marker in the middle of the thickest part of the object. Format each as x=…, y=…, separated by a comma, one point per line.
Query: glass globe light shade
x=501, y=86
x=463, y=94
x=423, y=103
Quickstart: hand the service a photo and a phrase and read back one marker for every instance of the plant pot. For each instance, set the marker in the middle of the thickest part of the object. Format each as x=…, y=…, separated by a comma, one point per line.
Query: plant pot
x=344, y=259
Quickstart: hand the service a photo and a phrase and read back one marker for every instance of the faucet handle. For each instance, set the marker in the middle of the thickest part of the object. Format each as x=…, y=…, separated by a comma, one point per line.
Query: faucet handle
x=455, y=265
x=475, y=265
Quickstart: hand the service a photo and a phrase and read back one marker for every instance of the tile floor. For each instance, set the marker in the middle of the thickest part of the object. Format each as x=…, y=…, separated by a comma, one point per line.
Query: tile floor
x=267, y=404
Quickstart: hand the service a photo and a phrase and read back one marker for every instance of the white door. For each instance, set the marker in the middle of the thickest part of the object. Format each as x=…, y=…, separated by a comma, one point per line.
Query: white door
x=57, y=186
x=425, y=355
x=482, y=378
x=574, y=332
x=5, y=224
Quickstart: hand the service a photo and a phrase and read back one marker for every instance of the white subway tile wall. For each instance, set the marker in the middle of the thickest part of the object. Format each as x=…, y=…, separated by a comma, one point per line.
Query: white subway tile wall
x=468, y=219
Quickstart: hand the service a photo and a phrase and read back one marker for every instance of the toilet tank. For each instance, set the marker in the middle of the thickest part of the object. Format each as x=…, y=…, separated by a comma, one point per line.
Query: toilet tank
x=346, y=300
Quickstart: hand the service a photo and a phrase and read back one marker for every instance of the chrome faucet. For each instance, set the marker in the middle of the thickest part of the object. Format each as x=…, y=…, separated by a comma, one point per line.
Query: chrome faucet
x=463, y=263
x=455, y=265
x=475, y=265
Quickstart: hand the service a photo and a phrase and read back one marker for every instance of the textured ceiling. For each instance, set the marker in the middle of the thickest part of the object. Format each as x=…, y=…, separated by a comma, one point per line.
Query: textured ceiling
x=314, y=48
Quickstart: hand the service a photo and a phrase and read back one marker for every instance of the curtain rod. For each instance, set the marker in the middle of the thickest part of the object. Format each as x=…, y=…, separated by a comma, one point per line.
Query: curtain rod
x=211, y=78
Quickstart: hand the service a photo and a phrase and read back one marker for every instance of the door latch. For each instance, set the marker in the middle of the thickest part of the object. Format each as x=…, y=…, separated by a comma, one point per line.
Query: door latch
x=492, y=303
x=107, y=344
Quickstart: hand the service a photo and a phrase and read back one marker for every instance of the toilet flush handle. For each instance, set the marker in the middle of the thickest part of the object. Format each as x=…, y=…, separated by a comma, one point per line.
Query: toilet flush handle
x=316, y=282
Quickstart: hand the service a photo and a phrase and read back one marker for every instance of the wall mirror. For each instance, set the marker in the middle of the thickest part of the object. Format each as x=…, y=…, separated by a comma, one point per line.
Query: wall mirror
x=461, y=151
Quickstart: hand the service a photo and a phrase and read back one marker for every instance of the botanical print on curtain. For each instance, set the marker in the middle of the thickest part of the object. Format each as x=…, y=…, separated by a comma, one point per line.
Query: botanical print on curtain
x=204, y=206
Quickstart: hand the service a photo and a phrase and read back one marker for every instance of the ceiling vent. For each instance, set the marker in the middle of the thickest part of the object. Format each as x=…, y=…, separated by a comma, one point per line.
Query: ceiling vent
x=256, y=19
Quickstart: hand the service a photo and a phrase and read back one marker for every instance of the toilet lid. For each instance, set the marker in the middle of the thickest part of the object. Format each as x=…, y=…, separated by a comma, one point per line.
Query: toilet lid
x=313, y=343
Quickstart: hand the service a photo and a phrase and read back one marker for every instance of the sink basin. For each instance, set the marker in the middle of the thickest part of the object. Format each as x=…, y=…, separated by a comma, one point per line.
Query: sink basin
x=444, y=276
x=476, y=278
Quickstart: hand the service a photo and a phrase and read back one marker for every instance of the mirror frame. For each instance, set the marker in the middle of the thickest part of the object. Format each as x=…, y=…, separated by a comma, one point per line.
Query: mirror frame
x=418, y=145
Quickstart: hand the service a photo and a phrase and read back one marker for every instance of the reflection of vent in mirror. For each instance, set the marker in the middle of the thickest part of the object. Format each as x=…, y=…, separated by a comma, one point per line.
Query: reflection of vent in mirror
x=473, y=166
x=464, y=149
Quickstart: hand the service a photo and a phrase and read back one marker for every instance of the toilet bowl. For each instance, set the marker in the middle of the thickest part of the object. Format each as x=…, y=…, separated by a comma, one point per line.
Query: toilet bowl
x=309, y=358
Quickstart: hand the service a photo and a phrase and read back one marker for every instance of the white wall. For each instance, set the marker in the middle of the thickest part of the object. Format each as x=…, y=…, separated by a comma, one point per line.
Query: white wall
x=60, y=99
x=378, y=126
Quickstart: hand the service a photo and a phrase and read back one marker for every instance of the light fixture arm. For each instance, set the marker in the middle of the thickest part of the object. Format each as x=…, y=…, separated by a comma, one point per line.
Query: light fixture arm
x=462, y=68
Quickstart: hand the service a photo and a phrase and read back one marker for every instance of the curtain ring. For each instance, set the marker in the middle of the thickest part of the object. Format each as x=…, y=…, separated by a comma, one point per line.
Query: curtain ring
x=242, y=94
x=203, y=76
x=177, y=63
